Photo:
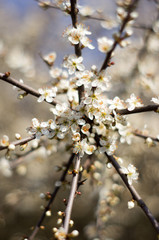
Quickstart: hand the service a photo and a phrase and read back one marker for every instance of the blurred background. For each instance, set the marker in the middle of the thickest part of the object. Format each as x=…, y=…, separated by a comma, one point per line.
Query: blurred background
x=26, y=31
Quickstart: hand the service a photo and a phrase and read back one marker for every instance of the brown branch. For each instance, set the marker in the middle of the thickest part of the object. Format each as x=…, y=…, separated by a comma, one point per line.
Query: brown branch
x=139, y=134
x=53, y=195
x=72, y=195
x=131, y=189
x=134, y=193
x=22, y=86
x=19, y=142
x=125, y=21
x=143, y=109
x=77, y=47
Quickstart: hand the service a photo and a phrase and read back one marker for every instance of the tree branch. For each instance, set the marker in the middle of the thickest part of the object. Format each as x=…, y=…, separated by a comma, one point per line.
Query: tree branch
x=22, y=86
x=72, y=195
x=147, y=108
x=131, y=189
x=139, y=134
x=125, y=21
x=53, y=195
x=134, y=193
x=76, y=46
x=19, y=142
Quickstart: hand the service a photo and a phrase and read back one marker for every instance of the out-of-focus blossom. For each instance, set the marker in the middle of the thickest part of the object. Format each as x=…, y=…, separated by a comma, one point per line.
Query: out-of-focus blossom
x=86, y=11
x=50, y=58
x=155, y=100
x=5, y=168
x=104, y=44
x=131, y=204
x=4, y=141
x=17, y=58
x=109, y=23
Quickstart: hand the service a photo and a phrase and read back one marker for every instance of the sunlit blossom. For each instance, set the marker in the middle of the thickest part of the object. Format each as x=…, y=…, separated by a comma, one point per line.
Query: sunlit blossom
x=131, y=173
x=47, y=94
x=104, y=44
x=73, y=62
x=133, y=102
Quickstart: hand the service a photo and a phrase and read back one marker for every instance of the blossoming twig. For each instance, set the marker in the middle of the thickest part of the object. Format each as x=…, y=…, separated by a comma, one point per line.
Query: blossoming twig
x=139, y=134
x=134, y=193
x=76, y=46
x=19, y=142
x=132, y=190
x=147, y=108
x=29, y=90
x=127, y=18
x=53, y=195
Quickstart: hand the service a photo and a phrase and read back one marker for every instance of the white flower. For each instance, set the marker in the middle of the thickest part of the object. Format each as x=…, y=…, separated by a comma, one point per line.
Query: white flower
x=5, y=168
x=86, y=11
x=131, y=204
x=47, y=94
x=64, y=5
x=84, y=78
x=60, y=233
x=73, y=62
x=109, y=23
x=78, y=35
x=133, y=102
x=116, y=103
x=131, y=173
x=155, y=100
x=35, y=129
x=50, y=58
x=82, y=147
x=108, y=146
x=104, y=44
x=4, y=141
x=55, y=72
x=126, y=133
x=76, y=136
x=102, y=81
x=85, y=128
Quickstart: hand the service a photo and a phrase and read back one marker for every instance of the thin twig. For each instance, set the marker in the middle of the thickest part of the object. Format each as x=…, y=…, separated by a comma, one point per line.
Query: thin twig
x=22, y=86
x=143, y=109
x=76, y=46
x=125, y=21
x=131, y=189
x=139, y=134
x=21, y=158
x=19, y=142
x=53, y=195
x=91, y=17
x=134, y=193
x=72, y=195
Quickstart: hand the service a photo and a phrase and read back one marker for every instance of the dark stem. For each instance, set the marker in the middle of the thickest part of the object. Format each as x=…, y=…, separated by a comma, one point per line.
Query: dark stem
x=125, y=21
x=131, y=189
x=147, y=108
x=19, y=142
x=53, y=195
x=22, y=86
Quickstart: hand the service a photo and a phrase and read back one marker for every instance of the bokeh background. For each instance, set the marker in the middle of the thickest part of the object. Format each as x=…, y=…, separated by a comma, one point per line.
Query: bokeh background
x=26, y=31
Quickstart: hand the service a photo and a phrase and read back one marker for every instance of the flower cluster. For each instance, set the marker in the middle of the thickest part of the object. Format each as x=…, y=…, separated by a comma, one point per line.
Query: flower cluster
x=78, y=35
